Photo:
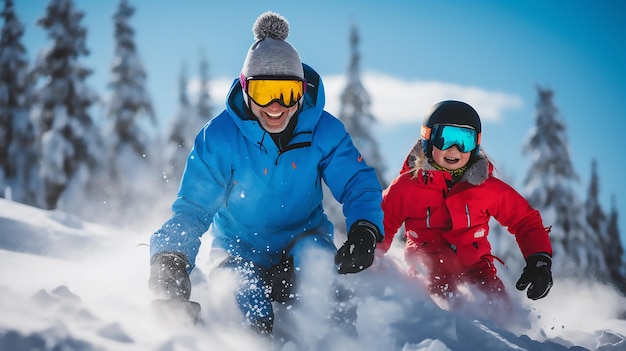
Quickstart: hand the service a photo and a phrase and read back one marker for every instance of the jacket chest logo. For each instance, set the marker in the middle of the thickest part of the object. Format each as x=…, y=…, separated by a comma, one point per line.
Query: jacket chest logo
x=479, y=233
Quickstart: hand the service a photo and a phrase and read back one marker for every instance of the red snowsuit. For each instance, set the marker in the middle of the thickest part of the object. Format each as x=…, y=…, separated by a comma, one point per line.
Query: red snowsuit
x=447, y=224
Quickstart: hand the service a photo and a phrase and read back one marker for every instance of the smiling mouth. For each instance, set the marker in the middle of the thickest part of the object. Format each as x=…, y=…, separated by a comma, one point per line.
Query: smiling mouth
x=274, y=115
x=451, y=160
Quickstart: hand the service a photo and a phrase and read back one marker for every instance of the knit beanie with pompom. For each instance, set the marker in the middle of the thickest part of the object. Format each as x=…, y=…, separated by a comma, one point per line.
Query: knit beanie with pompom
x=271, y=54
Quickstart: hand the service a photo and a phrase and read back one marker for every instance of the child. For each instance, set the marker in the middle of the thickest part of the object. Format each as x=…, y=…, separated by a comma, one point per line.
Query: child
x=445, y=196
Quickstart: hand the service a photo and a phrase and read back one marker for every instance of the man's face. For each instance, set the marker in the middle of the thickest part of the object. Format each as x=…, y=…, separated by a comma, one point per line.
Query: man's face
x=274, y=117
x=274, y=100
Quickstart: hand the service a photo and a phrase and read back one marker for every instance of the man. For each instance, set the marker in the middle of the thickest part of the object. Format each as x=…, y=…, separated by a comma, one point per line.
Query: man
x=255, y=176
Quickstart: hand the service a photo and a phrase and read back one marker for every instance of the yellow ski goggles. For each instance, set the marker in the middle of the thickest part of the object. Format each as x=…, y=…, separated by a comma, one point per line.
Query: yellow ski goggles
x=265, y=90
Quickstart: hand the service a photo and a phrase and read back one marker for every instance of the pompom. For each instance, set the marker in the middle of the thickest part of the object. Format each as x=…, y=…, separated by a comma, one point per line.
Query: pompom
x=270, y=24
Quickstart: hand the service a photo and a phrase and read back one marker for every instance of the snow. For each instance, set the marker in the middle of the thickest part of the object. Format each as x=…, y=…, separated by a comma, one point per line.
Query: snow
x=67, y=284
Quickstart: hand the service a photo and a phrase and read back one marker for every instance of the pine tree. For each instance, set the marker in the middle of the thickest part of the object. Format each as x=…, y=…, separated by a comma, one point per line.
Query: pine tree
x=355, y=115
x=18, y=153
x=594, y=214
x=69, y=139
x=597, y=219
x=182, y=132
x=130, y=101
x=131, y=166
x=187, y=122
x=614, y=250
x=355, y=112
x=550, y=185
x=205, y=110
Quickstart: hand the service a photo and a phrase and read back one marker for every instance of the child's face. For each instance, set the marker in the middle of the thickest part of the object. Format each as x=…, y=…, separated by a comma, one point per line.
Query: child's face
x=451, y=158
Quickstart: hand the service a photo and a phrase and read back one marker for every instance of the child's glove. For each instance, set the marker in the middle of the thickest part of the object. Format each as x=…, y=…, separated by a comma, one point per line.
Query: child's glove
x=168, y=276
x=357, y=253
x=537, y=276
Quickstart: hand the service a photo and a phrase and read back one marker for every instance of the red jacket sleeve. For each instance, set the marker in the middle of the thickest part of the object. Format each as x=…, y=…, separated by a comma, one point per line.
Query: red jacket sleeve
x=393, y=209
x=513, y=211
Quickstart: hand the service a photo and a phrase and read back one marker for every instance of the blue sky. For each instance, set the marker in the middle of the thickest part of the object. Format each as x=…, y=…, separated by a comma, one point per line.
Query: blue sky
x=491, y=54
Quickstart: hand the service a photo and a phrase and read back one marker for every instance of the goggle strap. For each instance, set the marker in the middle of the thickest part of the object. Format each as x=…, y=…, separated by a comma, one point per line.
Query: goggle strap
x=243, y=82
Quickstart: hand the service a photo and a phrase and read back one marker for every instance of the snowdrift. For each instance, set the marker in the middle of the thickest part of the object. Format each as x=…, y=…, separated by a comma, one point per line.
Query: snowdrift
x=66, y=284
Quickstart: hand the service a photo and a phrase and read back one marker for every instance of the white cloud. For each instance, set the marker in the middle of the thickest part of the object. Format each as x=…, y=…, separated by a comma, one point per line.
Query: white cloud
x=396, y=101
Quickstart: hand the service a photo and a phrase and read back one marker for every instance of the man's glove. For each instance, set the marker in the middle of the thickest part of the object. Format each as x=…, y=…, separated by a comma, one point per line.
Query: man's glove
x=168, y=276
x=357, y=253
x=536, y=276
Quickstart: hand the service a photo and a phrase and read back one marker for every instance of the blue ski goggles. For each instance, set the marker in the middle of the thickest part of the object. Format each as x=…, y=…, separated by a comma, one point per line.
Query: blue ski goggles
x=444, y=137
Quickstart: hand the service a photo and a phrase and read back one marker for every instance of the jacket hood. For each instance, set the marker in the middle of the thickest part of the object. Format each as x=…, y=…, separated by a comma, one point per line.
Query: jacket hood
x=308, y=115
x=479, y=170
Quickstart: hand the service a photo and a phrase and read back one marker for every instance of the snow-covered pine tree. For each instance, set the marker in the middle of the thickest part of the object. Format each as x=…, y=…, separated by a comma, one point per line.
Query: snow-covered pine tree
x=358, y=120
x=18, y=150
x=597, y=219
x=129, y=104
x=594, y=213
x=133, y=158
x=182, y=131
x=69, y=138
x=355, y=112
x=614, y=250
x=205, y=110
x=549, y=187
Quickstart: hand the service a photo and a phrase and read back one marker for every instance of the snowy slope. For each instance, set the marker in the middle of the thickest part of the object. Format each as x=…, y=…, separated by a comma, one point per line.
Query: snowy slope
x=70, y=285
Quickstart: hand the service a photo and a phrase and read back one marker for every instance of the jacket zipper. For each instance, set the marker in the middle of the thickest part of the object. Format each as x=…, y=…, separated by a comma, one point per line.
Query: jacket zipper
x=469, y=222
x=291, y=147
x=427, y=217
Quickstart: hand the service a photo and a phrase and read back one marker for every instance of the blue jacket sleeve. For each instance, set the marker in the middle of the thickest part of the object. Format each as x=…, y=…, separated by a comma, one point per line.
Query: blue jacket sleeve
x=352, y=182
x=201, y=193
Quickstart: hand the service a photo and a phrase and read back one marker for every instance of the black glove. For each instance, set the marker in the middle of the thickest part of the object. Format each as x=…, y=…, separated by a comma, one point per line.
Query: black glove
x=357, y=253
x=168, y=276
x=536, y=276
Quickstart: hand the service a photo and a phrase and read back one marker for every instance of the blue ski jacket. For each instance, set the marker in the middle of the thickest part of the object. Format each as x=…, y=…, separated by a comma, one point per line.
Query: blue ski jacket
x=259, y=198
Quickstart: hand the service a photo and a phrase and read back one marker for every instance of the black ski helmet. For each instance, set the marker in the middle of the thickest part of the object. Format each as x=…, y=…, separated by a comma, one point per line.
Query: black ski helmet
x=449, y=112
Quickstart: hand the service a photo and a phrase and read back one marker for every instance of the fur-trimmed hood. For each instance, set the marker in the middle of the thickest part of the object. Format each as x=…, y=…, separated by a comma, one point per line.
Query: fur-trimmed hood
x=479, y=170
